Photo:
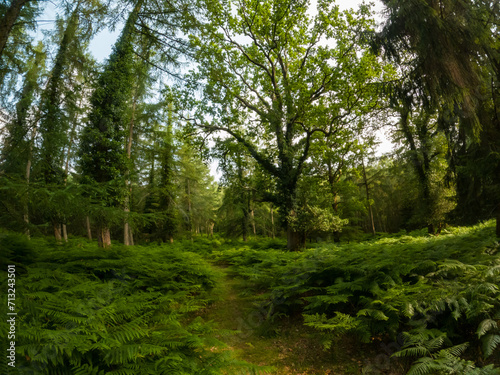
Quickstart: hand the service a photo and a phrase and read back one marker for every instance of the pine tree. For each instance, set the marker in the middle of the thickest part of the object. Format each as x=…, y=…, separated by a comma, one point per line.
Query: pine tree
x=103, y=159
x=54, y=124
x=167, y=181
x=17, y=151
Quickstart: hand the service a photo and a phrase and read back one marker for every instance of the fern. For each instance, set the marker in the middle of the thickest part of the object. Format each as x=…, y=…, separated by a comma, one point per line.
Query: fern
x=82, y=311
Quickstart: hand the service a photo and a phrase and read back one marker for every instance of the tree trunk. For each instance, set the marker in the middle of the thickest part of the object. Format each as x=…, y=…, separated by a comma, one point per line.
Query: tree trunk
x=244, y=224
x=66, y=164
x=244, y=227
x=131, y=236
x=27, y=176
x=272, y=222
x=127, y=241
x=65, y=233
x=252, y=219
x=365, y=180
x=294, y=240
x=89, y=230
x=188, y=190
x=57, y=231
x=8, y=21
x=104, y=237
x=126, y=230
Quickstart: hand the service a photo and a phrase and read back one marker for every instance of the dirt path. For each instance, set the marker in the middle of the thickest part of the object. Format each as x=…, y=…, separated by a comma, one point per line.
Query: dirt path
x=289, y=347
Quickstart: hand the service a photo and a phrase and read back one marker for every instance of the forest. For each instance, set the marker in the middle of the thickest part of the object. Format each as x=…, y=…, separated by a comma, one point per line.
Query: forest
x=212, y=198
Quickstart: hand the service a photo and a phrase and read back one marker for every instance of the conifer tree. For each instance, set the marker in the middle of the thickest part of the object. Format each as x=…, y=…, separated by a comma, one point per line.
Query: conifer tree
x=54, y=124
x=7, y=20
x=103, y=159
x=167, y=181
x=17, y=150
x=451, y=58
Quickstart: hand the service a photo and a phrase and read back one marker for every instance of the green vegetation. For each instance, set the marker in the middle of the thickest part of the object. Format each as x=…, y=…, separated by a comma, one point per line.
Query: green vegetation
x=224, y=307
x=212, y=197
x=82, y=311
x=434, y=292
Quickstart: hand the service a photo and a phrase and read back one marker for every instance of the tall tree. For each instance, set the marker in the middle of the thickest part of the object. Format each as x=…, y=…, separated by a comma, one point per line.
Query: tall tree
x=17, y=150
x=198, y=194
x=102, y=157
x=8, y=16
x=274, y=85
x=142, y=79
x=167, y=181
x=446, y=55
x=237, y=204
x=17, y=23
x=54, y=124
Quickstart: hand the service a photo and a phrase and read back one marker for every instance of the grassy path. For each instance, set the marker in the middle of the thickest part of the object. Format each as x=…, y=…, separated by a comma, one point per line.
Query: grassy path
x=291, y=349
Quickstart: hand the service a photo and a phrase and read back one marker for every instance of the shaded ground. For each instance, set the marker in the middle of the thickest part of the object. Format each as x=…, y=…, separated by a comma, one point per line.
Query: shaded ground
x=290, y=348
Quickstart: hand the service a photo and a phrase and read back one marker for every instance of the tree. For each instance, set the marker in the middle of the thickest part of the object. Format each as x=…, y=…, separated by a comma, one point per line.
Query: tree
x=274, y=82
x=446, y=55
x=167, y=180
x=237, y=205
x=54, y=124
x=9, y=17
x=102, y=157
x=198, y=193
x=16, y=19
x=160, y=158
x=17, y=151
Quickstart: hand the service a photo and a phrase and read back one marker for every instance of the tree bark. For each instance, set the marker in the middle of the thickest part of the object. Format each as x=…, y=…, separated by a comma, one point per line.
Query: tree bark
x=27, y=178
x=104, y=237
x=89, y=230
x=188, y=191
x=57, y=231
x=131, y=237
x=64, y=232
x=252, y=219
x=127, y=231
x=365, y=180
x=294, y=240
x=8, y=21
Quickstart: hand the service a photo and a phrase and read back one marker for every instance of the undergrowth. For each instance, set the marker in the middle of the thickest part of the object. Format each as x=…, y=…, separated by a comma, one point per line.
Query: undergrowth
x=83, y=310
x=441, y=293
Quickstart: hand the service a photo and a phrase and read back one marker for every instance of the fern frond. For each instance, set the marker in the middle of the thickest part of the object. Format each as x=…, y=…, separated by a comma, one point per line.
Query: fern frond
x=485, y=326
x=490, y=343
x=375, y=314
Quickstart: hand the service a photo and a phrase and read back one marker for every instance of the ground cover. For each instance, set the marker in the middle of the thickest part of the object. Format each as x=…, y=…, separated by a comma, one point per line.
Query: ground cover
x=432, y=300
x=402, y=304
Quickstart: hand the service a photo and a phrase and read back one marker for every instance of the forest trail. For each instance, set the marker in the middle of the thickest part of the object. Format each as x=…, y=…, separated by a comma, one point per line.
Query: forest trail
x=290, y=349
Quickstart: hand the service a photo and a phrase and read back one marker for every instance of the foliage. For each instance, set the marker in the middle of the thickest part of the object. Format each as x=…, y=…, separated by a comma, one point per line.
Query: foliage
x=85, y=311
x=442, y=286
x=281, y=89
